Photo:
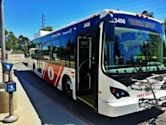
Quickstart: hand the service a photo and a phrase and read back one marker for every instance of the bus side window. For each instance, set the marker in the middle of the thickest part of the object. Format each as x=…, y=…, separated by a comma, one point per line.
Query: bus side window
x=39, y=52
x=67, y=52
x=71, y=53
x=55, y=55
x=45, y=50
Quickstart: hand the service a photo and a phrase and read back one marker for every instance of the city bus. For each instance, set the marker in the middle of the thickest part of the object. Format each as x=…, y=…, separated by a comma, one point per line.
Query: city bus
x=113, y=61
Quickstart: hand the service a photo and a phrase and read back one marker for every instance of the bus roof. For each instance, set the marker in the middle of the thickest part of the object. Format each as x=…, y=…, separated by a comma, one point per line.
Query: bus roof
x=101, y=14
x=134, y=14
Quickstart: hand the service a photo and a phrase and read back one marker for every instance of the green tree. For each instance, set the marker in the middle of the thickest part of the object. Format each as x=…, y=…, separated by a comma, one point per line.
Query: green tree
x=31, y=45
x=11, y=40
x=24, y=43
x=21, y=43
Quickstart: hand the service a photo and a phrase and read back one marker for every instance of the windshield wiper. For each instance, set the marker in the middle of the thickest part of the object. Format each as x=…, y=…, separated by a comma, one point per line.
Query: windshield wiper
x=142, y=63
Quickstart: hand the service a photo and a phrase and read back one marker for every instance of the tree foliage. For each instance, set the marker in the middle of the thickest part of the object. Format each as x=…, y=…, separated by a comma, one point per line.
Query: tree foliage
x=16, y=44
x=23, y=43
x=11, y=40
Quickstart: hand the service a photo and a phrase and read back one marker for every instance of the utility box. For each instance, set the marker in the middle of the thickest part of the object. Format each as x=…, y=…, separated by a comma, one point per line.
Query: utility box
x=10, y=87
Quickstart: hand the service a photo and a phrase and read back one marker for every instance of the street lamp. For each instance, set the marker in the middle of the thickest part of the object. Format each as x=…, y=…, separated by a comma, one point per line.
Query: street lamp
x=10, y=86
x=2, y=35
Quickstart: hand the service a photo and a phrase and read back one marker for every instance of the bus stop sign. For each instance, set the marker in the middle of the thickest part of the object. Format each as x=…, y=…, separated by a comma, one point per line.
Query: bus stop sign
x=7, y=66
x=10, y=87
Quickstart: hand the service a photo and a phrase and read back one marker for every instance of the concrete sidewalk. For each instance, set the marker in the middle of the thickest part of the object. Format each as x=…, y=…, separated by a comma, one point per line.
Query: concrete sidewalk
x=25, y=110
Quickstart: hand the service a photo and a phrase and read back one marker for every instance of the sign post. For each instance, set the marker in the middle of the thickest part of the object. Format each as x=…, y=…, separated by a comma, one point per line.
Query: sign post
x=10, y=87
x=2, y=35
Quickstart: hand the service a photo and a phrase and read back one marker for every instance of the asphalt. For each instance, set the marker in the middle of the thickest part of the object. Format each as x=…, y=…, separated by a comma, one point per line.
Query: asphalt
x=54, y=108
x=49, y=110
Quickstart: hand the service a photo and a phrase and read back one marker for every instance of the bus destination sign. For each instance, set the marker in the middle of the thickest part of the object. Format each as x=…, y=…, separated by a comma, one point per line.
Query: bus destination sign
x=141, y=23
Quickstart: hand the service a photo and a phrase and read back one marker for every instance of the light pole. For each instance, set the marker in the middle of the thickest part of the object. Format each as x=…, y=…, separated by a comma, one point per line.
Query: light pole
x=2, y=35
x=10, y=86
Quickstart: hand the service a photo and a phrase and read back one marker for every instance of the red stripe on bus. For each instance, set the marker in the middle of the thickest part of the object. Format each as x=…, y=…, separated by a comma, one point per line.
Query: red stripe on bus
x=44, y=71
x=56, y=69
x=60, y=75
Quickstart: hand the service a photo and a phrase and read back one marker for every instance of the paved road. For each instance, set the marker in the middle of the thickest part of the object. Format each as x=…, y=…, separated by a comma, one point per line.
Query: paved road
x=54, y=108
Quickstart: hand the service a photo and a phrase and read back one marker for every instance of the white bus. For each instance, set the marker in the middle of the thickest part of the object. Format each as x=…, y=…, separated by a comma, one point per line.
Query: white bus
x=113, y=61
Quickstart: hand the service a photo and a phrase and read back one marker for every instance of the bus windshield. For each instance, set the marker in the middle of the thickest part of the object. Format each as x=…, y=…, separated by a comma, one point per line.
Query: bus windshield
x=134, y=50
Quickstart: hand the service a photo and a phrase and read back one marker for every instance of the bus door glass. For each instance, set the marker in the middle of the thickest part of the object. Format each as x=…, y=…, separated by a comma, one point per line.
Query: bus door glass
x=84, y=53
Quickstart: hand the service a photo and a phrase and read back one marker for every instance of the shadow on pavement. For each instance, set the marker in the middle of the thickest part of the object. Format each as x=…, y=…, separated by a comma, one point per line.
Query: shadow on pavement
x=29, y=80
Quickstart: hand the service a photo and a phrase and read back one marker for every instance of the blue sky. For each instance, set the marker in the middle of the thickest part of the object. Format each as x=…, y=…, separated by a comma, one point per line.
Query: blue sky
x=24, y=16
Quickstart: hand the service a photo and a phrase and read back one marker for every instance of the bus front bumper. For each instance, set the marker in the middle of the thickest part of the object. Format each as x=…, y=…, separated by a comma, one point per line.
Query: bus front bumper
x=115, y=109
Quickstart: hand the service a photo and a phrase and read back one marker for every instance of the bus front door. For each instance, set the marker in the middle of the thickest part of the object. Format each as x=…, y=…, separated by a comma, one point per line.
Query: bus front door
x=84, y=66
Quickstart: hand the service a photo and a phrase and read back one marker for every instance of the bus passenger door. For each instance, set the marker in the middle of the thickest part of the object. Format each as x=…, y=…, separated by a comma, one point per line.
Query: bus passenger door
x=86, y=84
x=84, y=65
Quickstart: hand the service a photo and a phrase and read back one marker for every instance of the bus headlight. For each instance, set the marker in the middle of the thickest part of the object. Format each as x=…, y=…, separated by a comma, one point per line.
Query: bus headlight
x=118, y=93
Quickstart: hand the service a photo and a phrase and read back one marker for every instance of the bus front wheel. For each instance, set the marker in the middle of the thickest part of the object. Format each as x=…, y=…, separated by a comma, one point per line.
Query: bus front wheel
x=66, y=82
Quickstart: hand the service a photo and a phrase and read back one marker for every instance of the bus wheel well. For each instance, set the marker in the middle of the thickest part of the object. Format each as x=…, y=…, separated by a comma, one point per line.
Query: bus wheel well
x=66, y=82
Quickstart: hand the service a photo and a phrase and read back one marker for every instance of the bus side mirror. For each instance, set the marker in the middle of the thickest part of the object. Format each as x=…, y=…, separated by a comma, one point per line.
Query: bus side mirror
x=109, y=28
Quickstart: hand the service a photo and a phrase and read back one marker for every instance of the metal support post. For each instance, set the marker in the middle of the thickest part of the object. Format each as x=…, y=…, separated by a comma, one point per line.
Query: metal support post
x=2, y=35
x=10, y=87
x=10, y=104
x=12, y=117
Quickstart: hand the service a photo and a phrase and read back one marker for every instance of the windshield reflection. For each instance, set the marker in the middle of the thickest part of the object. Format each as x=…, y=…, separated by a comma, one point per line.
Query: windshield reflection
x=134, y=50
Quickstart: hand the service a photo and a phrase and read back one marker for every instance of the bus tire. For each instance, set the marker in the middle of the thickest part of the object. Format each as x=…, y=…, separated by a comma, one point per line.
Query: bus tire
x=66, y=82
